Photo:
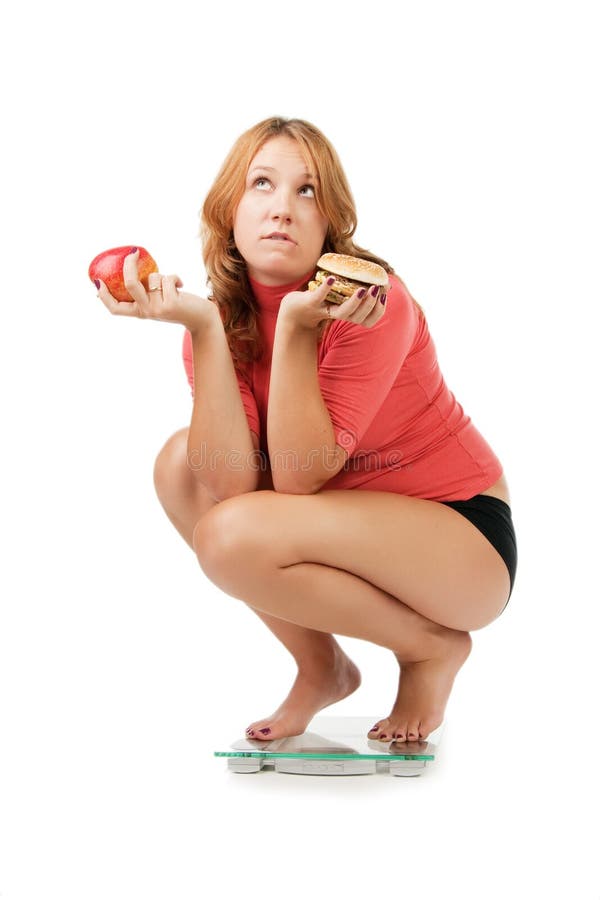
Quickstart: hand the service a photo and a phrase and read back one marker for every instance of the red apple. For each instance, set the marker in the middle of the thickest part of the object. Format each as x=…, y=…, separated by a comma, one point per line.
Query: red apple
x=109, y=267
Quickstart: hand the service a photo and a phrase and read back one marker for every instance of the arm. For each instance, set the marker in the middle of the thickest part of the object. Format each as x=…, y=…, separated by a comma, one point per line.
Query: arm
x=220, y=445
x=302, y=447
x=327, y=408
x=220, y=451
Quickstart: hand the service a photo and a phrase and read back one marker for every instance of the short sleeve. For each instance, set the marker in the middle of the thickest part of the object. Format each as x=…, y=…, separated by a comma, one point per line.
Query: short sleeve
x=245, y=390
x=360, y=365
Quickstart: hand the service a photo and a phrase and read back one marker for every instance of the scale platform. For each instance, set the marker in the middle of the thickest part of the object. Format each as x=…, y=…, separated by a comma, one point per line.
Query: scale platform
x=335, y=745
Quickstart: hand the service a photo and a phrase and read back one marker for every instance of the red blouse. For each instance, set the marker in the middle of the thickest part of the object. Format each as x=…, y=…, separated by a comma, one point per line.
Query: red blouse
x=390, y=407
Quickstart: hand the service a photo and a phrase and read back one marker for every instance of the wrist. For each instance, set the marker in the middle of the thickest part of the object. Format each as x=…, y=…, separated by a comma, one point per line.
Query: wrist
x=210, y=320
x=290, y=327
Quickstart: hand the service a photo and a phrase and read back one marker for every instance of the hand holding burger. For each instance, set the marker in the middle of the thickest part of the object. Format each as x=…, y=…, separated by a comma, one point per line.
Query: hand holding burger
x=335, y=295
x=351, y=274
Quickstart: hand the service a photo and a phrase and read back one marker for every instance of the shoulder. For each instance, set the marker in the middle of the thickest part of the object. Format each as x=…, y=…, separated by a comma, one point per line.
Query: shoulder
x=401, y=297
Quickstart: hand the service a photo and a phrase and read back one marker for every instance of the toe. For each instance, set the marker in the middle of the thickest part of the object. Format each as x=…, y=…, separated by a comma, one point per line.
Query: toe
x=259, y=730
x=377, y=729
x=400, y=731
x=413, y=730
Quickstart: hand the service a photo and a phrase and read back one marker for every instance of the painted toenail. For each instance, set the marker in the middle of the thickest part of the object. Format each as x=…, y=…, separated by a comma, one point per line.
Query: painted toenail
x=375, y=728
x=382, y=737
x=249, y=732
x=265, y=731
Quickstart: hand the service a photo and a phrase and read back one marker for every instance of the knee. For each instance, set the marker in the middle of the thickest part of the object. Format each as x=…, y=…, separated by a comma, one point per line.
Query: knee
x=170, y=466
x=224, y=539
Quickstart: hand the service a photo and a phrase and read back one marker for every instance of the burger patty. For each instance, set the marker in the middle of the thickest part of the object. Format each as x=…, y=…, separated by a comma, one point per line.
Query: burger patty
x=341, y=285
x=331, y=297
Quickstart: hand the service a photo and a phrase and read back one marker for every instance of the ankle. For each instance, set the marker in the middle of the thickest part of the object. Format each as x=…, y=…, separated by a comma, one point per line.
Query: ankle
x=324, y=658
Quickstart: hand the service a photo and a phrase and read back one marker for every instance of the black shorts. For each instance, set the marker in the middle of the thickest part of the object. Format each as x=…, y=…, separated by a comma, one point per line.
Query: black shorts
x=493, y=518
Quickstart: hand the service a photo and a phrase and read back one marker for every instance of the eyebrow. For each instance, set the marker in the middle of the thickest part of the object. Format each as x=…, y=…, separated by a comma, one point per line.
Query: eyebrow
x=271, y=169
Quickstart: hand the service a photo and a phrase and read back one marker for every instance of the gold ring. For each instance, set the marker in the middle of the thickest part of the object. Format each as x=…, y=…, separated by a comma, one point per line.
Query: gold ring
x=150, y=290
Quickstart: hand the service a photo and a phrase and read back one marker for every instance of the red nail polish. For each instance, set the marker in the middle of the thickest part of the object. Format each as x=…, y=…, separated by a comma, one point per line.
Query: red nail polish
x=362, y=293
x=97, y=283
x=383, y=298
x=265, y=731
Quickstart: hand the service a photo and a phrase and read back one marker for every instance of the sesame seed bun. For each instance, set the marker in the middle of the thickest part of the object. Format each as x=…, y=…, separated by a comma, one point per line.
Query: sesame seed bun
x=354, y=268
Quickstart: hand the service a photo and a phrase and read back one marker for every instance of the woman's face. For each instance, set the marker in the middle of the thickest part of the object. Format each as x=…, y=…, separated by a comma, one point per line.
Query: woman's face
x=279, y=196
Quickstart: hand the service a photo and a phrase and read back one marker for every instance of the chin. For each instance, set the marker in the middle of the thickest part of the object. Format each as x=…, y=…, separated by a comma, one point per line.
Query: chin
x=272, y=275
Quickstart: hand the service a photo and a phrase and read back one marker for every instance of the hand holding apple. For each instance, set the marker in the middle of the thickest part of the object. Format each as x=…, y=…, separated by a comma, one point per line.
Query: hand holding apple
x=108, y=267
x=159, y=298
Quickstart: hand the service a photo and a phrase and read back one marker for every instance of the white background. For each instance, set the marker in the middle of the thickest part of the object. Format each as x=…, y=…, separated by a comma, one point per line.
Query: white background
x=468, y=132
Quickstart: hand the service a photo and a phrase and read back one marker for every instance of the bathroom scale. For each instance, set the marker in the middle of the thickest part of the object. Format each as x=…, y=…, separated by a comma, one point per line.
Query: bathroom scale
x=335, y=745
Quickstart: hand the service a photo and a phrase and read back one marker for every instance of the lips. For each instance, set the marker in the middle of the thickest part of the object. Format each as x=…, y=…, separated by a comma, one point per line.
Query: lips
x=279, y=236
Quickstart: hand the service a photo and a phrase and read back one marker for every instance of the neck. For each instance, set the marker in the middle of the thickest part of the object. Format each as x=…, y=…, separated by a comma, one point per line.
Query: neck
x=269, y=296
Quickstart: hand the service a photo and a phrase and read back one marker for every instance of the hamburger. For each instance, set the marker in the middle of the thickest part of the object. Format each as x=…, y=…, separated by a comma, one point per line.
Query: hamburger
x=350, y=273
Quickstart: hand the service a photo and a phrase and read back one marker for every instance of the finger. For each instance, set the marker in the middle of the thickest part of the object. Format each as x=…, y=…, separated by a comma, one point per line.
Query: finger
x=132, y=279
x=353, y=303
x=370, y=302
x=116, y=307
x=376, y=313
x=154, y=281
x=361, y=305
x=321, y=289
x=170, y=283
x=175, y=279
x=322, y=292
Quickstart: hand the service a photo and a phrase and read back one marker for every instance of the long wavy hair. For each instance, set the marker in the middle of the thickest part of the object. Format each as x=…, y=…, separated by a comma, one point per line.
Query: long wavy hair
x=227, y=275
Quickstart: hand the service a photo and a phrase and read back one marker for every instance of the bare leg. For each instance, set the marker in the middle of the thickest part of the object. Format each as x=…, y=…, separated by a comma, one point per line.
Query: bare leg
x=325, y=673
x=356, y=586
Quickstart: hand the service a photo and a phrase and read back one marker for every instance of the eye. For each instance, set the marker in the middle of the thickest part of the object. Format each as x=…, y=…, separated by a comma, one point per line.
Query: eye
x=262, y=180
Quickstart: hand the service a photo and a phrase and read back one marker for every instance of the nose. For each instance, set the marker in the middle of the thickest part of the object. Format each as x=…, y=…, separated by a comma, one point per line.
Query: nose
x=282, y=206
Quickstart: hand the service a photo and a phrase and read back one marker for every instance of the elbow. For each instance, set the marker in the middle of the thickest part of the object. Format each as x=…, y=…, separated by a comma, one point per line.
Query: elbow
x=234, y=489
x=288, y=486
x=220, y=491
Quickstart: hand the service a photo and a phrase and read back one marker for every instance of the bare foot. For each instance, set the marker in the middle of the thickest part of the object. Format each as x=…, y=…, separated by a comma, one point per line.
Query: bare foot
x=423, y=692
x=313, y=689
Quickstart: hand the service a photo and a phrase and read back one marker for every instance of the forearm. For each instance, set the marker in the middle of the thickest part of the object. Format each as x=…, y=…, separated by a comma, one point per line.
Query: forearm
x=300, y=435
x=220, y=450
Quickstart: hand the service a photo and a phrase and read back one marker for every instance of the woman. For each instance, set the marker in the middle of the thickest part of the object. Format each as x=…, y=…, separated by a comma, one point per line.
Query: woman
x=379, y=512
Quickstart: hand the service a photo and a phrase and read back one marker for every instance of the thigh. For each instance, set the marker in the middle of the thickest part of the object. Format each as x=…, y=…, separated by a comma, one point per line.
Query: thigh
x=421, y=552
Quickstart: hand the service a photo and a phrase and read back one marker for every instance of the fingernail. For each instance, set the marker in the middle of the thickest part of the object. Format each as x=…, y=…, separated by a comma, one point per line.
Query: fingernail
x=330, y=280
x=362, y=293
x=265, y=731
x=383, y=298
x=375, y=290
x=134, y=250
x=97, y=283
